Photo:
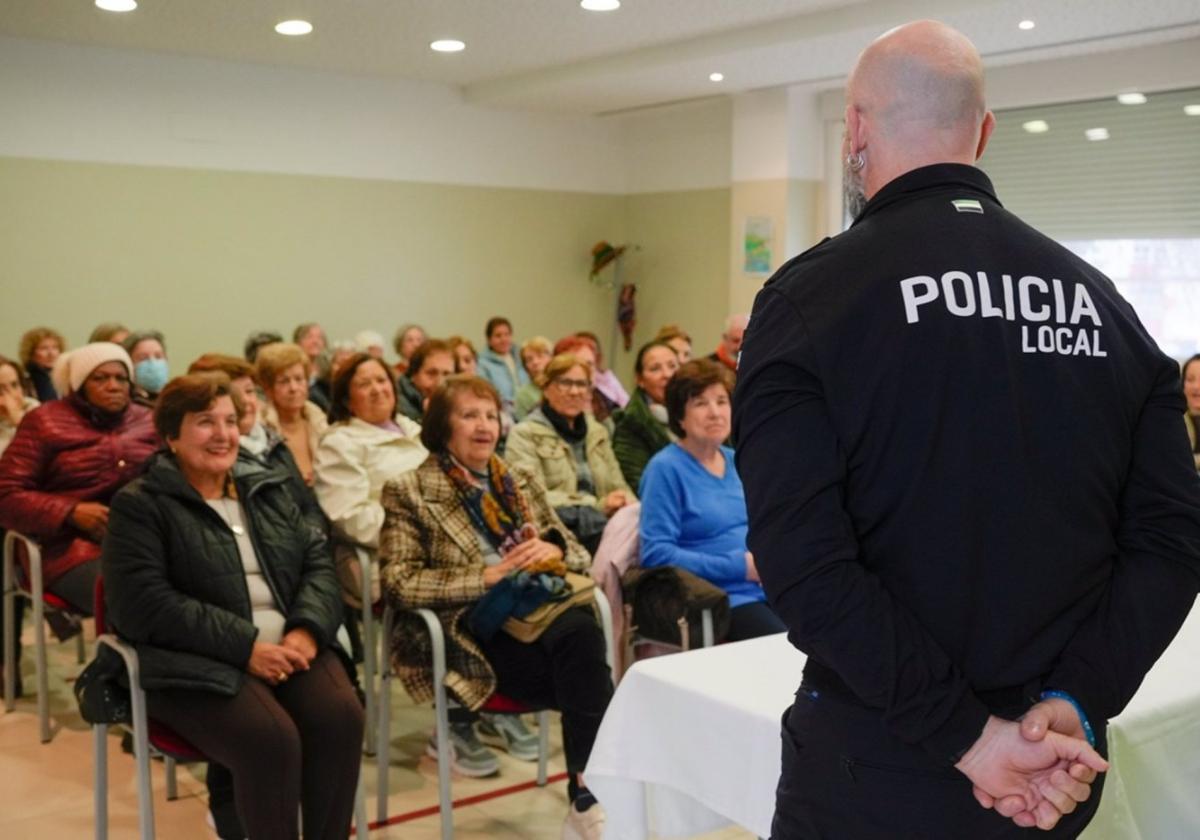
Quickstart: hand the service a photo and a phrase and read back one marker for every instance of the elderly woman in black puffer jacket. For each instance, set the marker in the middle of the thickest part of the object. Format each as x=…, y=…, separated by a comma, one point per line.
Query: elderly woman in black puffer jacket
x=233, y=607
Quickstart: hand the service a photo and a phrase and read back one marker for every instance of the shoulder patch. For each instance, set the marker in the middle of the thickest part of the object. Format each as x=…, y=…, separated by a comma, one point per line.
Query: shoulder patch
x=967, y=205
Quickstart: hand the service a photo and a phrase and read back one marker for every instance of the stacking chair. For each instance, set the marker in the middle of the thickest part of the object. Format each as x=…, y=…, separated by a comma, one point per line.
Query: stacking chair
x=148, y=735
x=497, y=703
x=371, y=646
x=15, y=586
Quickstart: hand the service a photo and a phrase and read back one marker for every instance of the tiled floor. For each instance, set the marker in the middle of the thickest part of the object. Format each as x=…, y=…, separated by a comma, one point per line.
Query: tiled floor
x=46, y=789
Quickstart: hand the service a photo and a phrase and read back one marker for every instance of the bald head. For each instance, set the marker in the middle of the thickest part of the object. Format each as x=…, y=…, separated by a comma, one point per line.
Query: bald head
x=915, y=97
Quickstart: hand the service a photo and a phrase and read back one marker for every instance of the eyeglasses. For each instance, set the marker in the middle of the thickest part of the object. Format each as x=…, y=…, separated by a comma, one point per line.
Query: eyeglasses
x=573, y=384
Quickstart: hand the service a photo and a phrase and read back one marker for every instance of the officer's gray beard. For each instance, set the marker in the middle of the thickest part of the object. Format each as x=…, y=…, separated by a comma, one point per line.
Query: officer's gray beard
x=854, y=198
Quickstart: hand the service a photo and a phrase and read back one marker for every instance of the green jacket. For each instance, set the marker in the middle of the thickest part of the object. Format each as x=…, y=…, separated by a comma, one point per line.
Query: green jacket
x=637, y=437
x=174, y=582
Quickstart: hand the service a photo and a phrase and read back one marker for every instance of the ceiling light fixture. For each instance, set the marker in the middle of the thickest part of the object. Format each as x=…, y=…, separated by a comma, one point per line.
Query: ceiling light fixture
x=716, y=77
x=1026, y=25
x=1036, y=126
x=600, y=5
x=293, y=27
x=116, y=5
x=1131, y=98
x=1192, y=110
x=447, y=45
x=1095, y=134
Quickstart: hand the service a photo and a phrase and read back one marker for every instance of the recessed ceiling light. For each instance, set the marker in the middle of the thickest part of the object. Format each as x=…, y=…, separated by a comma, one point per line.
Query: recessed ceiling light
x=600, y=5
x=716, y=77
x=1094, y=134
x=293, y=27
x=1026, y=25
x=447, y=45
x=1036, y=126
x=1131, y=98
x=116, y=5
x=1192, y=110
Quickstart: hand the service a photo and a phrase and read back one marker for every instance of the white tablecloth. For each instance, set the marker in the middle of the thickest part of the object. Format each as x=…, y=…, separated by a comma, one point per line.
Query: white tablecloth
x=690, y=743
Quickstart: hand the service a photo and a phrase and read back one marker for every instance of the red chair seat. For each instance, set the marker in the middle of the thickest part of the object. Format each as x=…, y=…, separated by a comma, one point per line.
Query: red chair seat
x=501, y=704
x=56, y=603
x=169, y=742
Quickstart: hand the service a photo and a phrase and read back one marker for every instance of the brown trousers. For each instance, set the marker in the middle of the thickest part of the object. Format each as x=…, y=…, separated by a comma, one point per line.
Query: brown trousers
x=293, y=746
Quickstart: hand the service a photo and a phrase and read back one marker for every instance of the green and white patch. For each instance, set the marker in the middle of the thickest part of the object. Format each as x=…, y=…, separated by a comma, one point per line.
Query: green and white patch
x=967, y=205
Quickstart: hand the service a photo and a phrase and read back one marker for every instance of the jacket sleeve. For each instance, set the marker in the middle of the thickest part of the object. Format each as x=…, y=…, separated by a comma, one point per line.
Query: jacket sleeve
x=143, y=604
x=24, y=507
x=1157, y=570
x=794, y=472
x=343, y=488
x=410, y=572
x=662, y=508
x=521, y=451
x=317, y=605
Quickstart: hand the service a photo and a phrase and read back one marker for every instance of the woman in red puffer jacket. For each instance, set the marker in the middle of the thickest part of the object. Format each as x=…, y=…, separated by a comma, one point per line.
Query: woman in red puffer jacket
x=67, y=460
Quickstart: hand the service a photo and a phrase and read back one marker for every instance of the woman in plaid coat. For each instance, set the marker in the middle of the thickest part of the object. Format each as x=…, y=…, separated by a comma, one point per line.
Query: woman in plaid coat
x=456, y=527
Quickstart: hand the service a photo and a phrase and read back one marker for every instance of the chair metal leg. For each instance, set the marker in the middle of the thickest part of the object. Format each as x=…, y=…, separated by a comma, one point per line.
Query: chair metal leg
x=706, y=618
x=172, y=783
x=362, y=827
x=80, y=649
x=441, y=721
x=368, y=644
x=10, y=629
x=543, y=719
x=383, y=751
x=141, y=756
x=100, y=779
x=39, y=635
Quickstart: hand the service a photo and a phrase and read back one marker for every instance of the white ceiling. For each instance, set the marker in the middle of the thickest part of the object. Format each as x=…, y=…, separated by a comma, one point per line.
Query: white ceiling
x=552, y=55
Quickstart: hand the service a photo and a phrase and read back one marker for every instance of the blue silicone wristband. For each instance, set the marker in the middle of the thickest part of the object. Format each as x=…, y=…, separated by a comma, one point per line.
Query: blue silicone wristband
x=1087, y=726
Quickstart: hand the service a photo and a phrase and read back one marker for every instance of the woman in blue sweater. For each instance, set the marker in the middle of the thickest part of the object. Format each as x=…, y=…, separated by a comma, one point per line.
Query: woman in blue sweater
x=693, y=507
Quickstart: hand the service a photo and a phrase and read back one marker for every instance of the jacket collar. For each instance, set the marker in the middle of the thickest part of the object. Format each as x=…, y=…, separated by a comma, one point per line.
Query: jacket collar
x=917, y=182
x=249, y=474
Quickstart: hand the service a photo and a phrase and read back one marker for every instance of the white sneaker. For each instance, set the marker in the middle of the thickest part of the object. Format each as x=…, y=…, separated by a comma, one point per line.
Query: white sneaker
x=584, y=825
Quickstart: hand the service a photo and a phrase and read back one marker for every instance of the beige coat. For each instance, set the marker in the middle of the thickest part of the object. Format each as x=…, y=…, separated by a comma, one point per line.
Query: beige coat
x=353, y=462
x=534, y=444
x=431, y=558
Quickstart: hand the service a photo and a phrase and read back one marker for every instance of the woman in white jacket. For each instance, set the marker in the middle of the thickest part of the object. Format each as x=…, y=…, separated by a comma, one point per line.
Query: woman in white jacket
x=368, y=445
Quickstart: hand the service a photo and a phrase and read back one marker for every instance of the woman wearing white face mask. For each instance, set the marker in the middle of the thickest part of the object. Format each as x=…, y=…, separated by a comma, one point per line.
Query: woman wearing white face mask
x=148, y=352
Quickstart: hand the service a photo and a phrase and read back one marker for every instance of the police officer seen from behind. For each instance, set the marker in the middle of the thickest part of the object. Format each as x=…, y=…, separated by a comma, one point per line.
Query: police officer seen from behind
x=969, y=486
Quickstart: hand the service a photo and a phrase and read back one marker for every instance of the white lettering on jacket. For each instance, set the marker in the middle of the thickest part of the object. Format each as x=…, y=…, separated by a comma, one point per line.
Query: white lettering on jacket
x=1030, y=299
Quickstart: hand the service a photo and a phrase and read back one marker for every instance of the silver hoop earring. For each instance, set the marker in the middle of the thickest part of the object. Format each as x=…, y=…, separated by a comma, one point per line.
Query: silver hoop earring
x=855, y=161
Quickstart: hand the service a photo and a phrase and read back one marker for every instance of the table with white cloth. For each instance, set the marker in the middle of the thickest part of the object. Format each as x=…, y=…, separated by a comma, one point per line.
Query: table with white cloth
x=690, y=744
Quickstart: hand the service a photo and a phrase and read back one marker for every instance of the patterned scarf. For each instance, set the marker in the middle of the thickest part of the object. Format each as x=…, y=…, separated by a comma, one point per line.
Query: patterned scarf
x=498, y=511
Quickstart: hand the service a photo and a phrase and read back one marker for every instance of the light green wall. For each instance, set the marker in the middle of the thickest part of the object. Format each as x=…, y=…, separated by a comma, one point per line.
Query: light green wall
x=209, y=256
x=680, y=266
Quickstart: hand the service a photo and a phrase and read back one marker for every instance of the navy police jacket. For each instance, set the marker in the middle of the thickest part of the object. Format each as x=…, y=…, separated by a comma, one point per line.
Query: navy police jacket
x=965, y=465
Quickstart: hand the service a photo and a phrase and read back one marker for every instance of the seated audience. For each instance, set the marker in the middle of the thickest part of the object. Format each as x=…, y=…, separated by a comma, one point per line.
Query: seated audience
x=456, y=527
x=499, y=363
x=536, y=353
x=109, y=331
x=15, y=403
x=258, y=340
x=641, y=429
x=406, y=341
x=233, y=606
x=570, y=452
x=148, y=352
x=15, y=400
x=255, y=440
x=693, y=505
x=731, y=342
x=40, y=348
x=428, y=365
x=67, y=459
x=368, y=444
x=311, y=339
x=466, y=360
x=1191, y=393
x=283, y=373
x=607, y=387
x=677, y=340
x=369, y=341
